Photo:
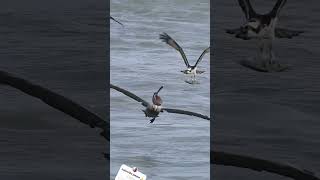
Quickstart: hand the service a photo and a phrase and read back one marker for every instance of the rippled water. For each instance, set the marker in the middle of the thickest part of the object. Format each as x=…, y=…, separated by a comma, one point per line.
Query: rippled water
x=175, y=146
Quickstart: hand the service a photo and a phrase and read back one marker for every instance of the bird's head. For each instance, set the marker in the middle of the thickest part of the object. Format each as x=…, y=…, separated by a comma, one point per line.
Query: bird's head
x=156, y=93
x=156, y=98
x=189, y=69
x=250, y=29
x=256, y=28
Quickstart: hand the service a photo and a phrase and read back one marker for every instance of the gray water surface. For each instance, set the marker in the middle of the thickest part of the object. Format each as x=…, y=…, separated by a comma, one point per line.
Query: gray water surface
x=175, y=146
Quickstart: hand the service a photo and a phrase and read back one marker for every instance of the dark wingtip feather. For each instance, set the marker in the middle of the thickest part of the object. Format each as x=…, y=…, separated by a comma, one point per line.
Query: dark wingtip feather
x=116, y=21
x=164, y=37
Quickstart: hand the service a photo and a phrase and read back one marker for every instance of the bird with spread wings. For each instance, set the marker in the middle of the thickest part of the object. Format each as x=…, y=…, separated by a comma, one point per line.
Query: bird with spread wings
x=152, y=110
x=191, y=69
x=255, y=22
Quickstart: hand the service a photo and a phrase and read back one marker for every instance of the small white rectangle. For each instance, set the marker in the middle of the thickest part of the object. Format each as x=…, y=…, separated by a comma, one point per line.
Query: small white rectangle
x=126, y=173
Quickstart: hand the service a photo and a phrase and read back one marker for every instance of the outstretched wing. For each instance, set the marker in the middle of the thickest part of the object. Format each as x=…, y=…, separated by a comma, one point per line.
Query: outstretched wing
x=256, y=164
x=286, y=33
x=247, y=8
x=202, y=54
x=234, y=30
x=129, y=94
x=279, y=33
x=56, y=101
x=116, y=21
x=178, y=111
x=171, y=42
x=277, y=7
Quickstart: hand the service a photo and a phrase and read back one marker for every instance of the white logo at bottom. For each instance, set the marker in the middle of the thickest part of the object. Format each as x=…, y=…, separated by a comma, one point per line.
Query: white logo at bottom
x=127, y=173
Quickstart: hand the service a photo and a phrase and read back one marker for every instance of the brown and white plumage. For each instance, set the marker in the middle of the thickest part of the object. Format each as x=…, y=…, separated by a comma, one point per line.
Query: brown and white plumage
x=156, y=99
x=257, y=23
x=153, y=110
x=263, y=27
x=191, y=69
